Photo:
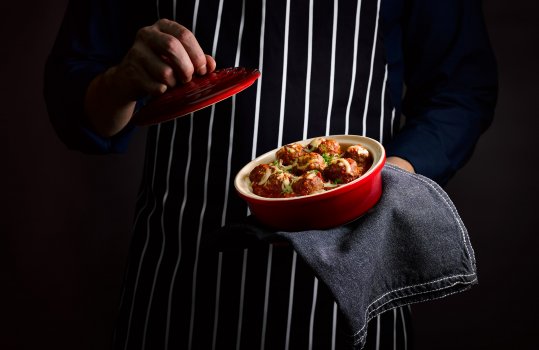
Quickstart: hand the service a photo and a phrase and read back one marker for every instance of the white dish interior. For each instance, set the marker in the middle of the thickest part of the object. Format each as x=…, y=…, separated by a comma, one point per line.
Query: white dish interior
x=376, y=150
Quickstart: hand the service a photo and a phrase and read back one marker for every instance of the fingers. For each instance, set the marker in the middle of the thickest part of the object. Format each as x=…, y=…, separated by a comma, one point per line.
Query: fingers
x=210, y=64
x=186, y=40
x=156, y=67
x=142, y=73
x=163, y=55
x=168, y=50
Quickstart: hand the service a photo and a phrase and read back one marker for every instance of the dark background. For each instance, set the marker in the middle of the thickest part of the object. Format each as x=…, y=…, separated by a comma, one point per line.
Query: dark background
x=65, y=217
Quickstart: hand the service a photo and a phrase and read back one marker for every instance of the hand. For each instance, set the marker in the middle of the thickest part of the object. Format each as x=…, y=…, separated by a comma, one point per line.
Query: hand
x=163, y=55
x=401, y=163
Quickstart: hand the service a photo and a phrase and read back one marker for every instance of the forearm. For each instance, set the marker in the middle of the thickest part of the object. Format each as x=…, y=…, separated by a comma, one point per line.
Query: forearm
x=451, y=85
x=163, y=55
x=107, y=110
x=92, y=38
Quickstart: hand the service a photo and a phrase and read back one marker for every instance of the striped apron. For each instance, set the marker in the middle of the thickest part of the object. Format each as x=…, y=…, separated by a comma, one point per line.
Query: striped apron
x=324, y=72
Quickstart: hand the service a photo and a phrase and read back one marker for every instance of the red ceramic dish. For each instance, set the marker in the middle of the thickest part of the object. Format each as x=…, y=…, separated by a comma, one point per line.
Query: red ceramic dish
x=322, y=210
x=200, y=92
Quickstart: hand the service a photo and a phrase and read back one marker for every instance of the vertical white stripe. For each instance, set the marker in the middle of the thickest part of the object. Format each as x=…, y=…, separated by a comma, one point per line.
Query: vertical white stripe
x=199, y=233
x=332, y=71
x=394, y=329
x=404, y=329
x=382, y=107
x=313, y=312
x=137, y=217
x=240, y=35
x=291, y=298
x=163, y=236
x=285, y=71
x=266, y=297
x=180, y=225
x=128, y=267
x=205, y=193
x=354, y=68
x=392, y=120
x=378, y=327
x=217, y=28
x=195, y=16
x=242, y=295
x=184, y=202
x=227, y=186
x=232, y=120
x=157, y=9
x=142, y=255
x=334, y=326
x=229, y=161
x=371, y=70
x=259, y=80
x=217, y=299
x=309, y=69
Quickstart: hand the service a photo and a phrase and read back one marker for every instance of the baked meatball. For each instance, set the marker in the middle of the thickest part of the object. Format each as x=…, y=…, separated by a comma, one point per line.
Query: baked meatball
x=342, y=170
x=278, y=184
x=361, y=155
x=309, y=161
x=325, y=146
x=261, y=172
x=289, y=153
x=308, y=183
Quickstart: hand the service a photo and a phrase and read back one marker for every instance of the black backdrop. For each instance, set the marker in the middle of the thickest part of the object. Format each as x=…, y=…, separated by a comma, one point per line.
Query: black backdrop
x=65, y=217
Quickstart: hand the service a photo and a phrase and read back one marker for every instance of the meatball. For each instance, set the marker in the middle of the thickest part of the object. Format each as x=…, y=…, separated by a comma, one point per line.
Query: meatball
x=309, y=161
x=325, y=146
x=261, y=172
x=308, y=183
x=278, y=184
x=289, y=153
x=361, y=155
x=342, y=170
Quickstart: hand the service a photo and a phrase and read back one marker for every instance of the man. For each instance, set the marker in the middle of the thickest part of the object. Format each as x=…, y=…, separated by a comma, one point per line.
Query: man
x=328, y=67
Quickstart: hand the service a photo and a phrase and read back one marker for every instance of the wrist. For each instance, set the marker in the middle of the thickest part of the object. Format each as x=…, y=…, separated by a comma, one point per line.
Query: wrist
x=401, y=163
x=107, y=105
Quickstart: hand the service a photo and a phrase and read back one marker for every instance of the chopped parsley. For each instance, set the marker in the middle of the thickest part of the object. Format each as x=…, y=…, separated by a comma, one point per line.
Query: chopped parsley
x=287, y=189
x=328, y=158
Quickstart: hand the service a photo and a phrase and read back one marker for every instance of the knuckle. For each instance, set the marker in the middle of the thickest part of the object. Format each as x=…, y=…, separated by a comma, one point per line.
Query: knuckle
x=170, y=45
x=129, y=58
x=167, y=75
x=163, y=21
x=143, y=33
x=188, y=71
x=185, y=34
x=134, y=55
x=156, y=89
x=200, y=59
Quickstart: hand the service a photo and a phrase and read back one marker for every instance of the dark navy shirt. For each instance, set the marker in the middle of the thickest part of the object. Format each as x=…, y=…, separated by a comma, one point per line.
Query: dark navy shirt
x=178, y=292
x=438, y=50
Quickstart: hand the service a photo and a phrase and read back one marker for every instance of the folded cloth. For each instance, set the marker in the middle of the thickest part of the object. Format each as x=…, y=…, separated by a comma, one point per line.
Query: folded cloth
x=410, y=247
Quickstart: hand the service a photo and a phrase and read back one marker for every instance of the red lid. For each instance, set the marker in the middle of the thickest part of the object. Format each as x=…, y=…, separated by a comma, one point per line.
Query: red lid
x=200, y=92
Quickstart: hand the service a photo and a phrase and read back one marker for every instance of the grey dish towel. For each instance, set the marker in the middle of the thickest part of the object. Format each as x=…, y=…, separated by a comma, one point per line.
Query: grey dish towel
x=410, y=247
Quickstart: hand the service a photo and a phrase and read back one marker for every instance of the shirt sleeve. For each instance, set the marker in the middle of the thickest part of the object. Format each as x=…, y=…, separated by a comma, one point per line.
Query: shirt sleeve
x=93, y=36
x=450, y=80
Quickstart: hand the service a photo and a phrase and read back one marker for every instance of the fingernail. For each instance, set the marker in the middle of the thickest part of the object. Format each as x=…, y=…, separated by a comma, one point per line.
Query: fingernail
x=202, y=70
